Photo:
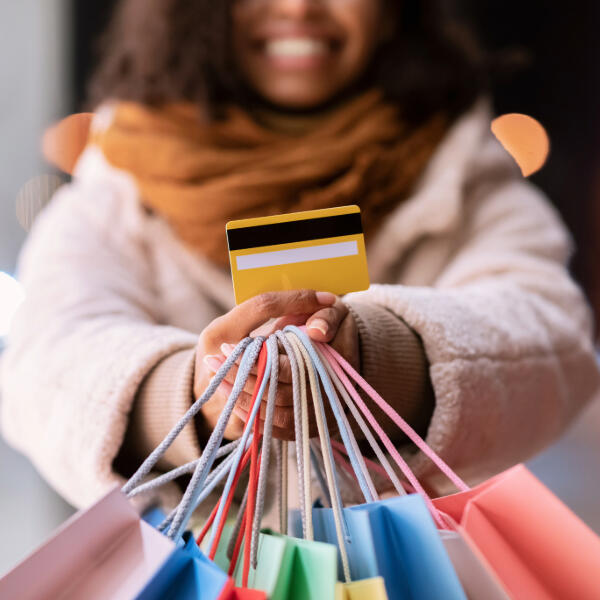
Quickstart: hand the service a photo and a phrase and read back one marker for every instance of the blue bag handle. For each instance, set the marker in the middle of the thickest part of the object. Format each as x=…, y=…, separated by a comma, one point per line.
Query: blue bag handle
x=245, y=436
x=159, y=451
x=190, y=497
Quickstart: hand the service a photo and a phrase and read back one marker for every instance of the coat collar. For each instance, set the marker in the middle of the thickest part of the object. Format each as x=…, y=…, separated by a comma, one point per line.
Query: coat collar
x=436, y=205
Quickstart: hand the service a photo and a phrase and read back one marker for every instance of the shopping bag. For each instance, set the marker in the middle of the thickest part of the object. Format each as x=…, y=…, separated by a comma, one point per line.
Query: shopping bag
x=293, y=569
x=474, y=572
x=106, y=551
x=246, y=594
x=397, y=540
x=188, y=574
x=366, y=589
x=537, y=546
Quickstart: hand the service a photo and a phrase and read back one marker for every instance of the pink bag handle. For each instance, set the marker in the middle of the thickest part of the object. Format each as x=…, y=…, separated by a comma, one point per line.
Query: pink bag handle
x=343, y=392
x=393, y=415
x=340, y=450
x=340, y=365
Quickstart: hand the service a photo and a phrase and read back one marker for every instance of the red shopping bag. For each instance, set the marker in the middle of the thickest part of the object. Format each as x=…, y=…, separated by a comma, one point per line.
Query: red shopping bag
x=233, y=593
x=535, y=544
x=247, y=594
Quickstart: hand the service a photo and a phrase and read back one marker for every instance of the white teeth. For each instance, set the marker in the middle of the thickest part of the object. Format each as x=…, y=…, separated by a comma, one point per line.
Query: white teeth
x=296, y=47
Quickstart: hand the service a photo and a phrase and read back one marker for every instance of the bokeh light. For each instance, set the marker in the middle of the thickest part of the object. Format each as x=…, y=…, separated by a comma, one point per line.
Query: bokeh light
x=63, y=142
x=525, y=139
x=11, y=297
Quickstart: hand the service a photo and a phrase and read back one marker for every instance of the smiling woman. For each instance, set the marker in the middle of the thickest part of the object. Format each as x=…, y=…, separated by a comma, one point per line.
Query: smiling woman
x=212, y=111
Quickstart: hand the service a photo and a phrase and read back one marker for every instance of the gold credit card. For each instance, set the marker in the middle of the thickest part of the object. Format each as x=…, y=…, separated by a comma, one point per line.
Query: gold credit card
x=322, y=250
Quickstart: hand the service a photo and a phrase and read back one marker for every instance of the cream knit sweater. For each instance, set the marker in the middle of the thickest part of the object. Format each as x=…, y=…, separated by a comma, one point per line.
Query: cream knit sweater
x=474, y=262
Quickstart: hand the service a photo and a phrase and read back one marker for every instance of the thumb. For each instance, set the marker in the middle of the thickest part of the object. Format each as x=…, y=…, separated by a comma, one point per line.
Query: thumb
x=323, y=325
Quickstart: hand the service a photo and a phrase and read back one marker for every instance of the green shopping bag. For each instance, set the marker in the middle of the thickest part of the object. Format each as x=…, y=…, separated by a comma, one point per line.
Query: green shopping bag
x=292, y=569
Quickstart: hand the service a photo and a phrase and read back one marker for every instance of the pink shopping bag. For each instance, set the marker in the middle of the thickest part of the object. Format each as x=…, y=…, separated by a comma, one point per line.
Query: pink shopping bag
x=538, y=548
x=106, y=551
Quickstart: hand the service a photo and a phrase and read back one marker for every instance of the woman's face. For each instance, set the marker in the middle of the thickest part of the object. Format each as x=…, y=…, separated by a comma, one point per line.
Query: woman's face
x=299, y=54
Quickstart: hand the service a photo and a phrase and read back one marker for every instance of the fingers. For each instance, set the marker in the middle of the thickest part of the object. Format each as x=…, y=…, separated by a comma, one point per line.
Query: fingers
x=283, y=397
x=277, y=324
x=283, y=422
x=283, y=416
x=247, y=316
x=323, y=325
x=285, y=368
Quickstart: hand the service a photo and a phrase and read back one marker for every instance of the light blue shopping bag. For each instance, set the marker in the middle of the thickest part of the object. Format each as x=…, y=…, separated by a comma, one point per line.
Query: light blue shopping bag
x=397, y=540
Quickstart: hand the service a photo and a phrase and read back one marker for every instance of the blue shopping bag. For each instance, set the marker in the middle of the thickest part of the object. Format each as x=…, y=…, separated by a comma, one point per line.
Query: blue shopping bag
x=187, y=575
x=397, y=540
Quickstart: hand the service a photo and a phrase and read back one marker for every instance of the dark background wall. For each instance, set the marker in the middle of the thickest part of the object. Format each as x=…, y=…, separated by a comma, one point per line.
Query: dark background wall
x=561, y=88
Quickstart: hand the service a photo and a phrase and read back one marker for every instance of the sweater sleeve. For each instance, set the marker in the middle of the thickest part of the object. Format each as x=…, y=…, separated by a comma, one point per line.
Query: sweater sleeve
x=164, y=396
x=506, y=331
x=86, y=336
x=393, y=361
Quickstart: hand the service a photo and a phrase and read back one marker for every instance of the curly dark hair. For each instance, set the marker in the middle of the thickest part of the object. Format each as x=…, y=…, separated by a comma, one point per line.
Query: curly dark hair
x=157, y=51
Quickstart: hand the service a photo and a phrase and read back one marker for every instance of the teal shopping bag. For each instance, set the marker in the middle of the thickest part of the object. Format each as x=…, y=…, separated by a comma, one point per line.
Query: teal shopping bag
x=397, y=540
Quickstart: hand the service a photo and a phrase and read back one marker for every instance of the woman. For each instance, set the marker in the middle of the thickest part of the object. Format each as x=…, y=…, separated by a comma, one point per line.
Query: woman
x=210, y=111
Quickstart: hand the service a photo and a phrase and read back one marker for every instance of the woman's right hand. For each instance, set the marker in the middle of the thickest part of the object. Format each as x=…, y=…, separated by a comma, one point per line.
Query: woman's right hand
x=234, y=326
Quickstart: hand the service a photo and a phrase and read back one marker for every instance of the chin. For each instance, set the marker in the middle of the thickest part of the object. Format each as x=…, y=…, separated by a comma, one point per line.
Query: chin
x=297, y=99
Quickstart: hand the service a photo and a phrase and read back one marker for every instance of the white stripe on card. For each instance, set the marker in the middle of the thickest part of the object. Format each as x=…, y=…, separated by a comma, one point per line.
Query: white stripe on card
x=296, y=255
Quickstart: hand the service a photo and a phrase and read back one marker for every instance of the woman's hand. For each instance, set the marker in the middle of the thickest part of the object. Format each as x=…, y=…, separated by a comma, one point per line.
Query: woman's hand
x=237, y=324
x=333, y=324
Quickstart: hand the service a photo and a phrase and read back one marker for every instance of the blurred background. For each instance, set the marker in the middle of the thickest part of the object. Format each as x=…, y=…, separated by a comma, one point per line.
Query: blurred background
x=46, y=54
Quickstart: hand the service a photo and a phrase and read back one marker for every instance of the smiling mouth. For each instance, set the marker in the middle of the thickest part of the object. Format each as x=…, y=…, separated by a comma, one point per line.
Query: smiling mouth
x=298, y=51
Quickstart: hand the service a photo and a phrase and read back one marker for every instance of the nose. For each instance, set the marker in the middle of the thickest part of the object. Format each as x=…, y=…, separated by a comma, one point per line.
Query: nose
x=295, y=8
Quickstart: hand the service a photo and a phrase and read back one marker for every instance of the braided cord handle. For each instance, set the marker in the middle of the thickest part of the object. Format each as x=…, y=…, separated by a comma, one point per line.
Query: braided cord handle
x=193, y=491
x=302, y=354
x=160, y=450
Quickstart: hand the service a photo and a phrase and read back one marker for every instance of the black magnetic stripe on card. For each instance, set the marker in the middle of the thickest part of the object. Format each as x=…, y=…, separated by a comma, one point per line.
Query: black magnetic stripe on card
x=294, y=231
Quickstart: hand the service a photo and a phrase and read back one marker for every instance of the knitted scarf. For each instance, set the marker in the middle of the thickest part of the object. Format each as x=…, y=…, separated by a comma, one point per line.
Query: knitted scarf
x=199, y=174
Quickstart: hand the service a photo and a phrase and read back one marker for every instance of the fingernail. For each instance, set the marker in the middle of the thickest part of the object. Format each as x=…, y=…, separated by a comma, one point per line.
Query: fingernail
x=325, y=298
x=213, y=362
x=227, y=349
x=319, y=324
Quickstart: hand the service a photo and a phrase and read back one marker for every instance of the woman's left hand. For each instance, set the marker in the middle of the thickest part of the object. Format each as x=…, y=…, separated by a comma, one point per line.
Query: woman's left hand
x=333, y=324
